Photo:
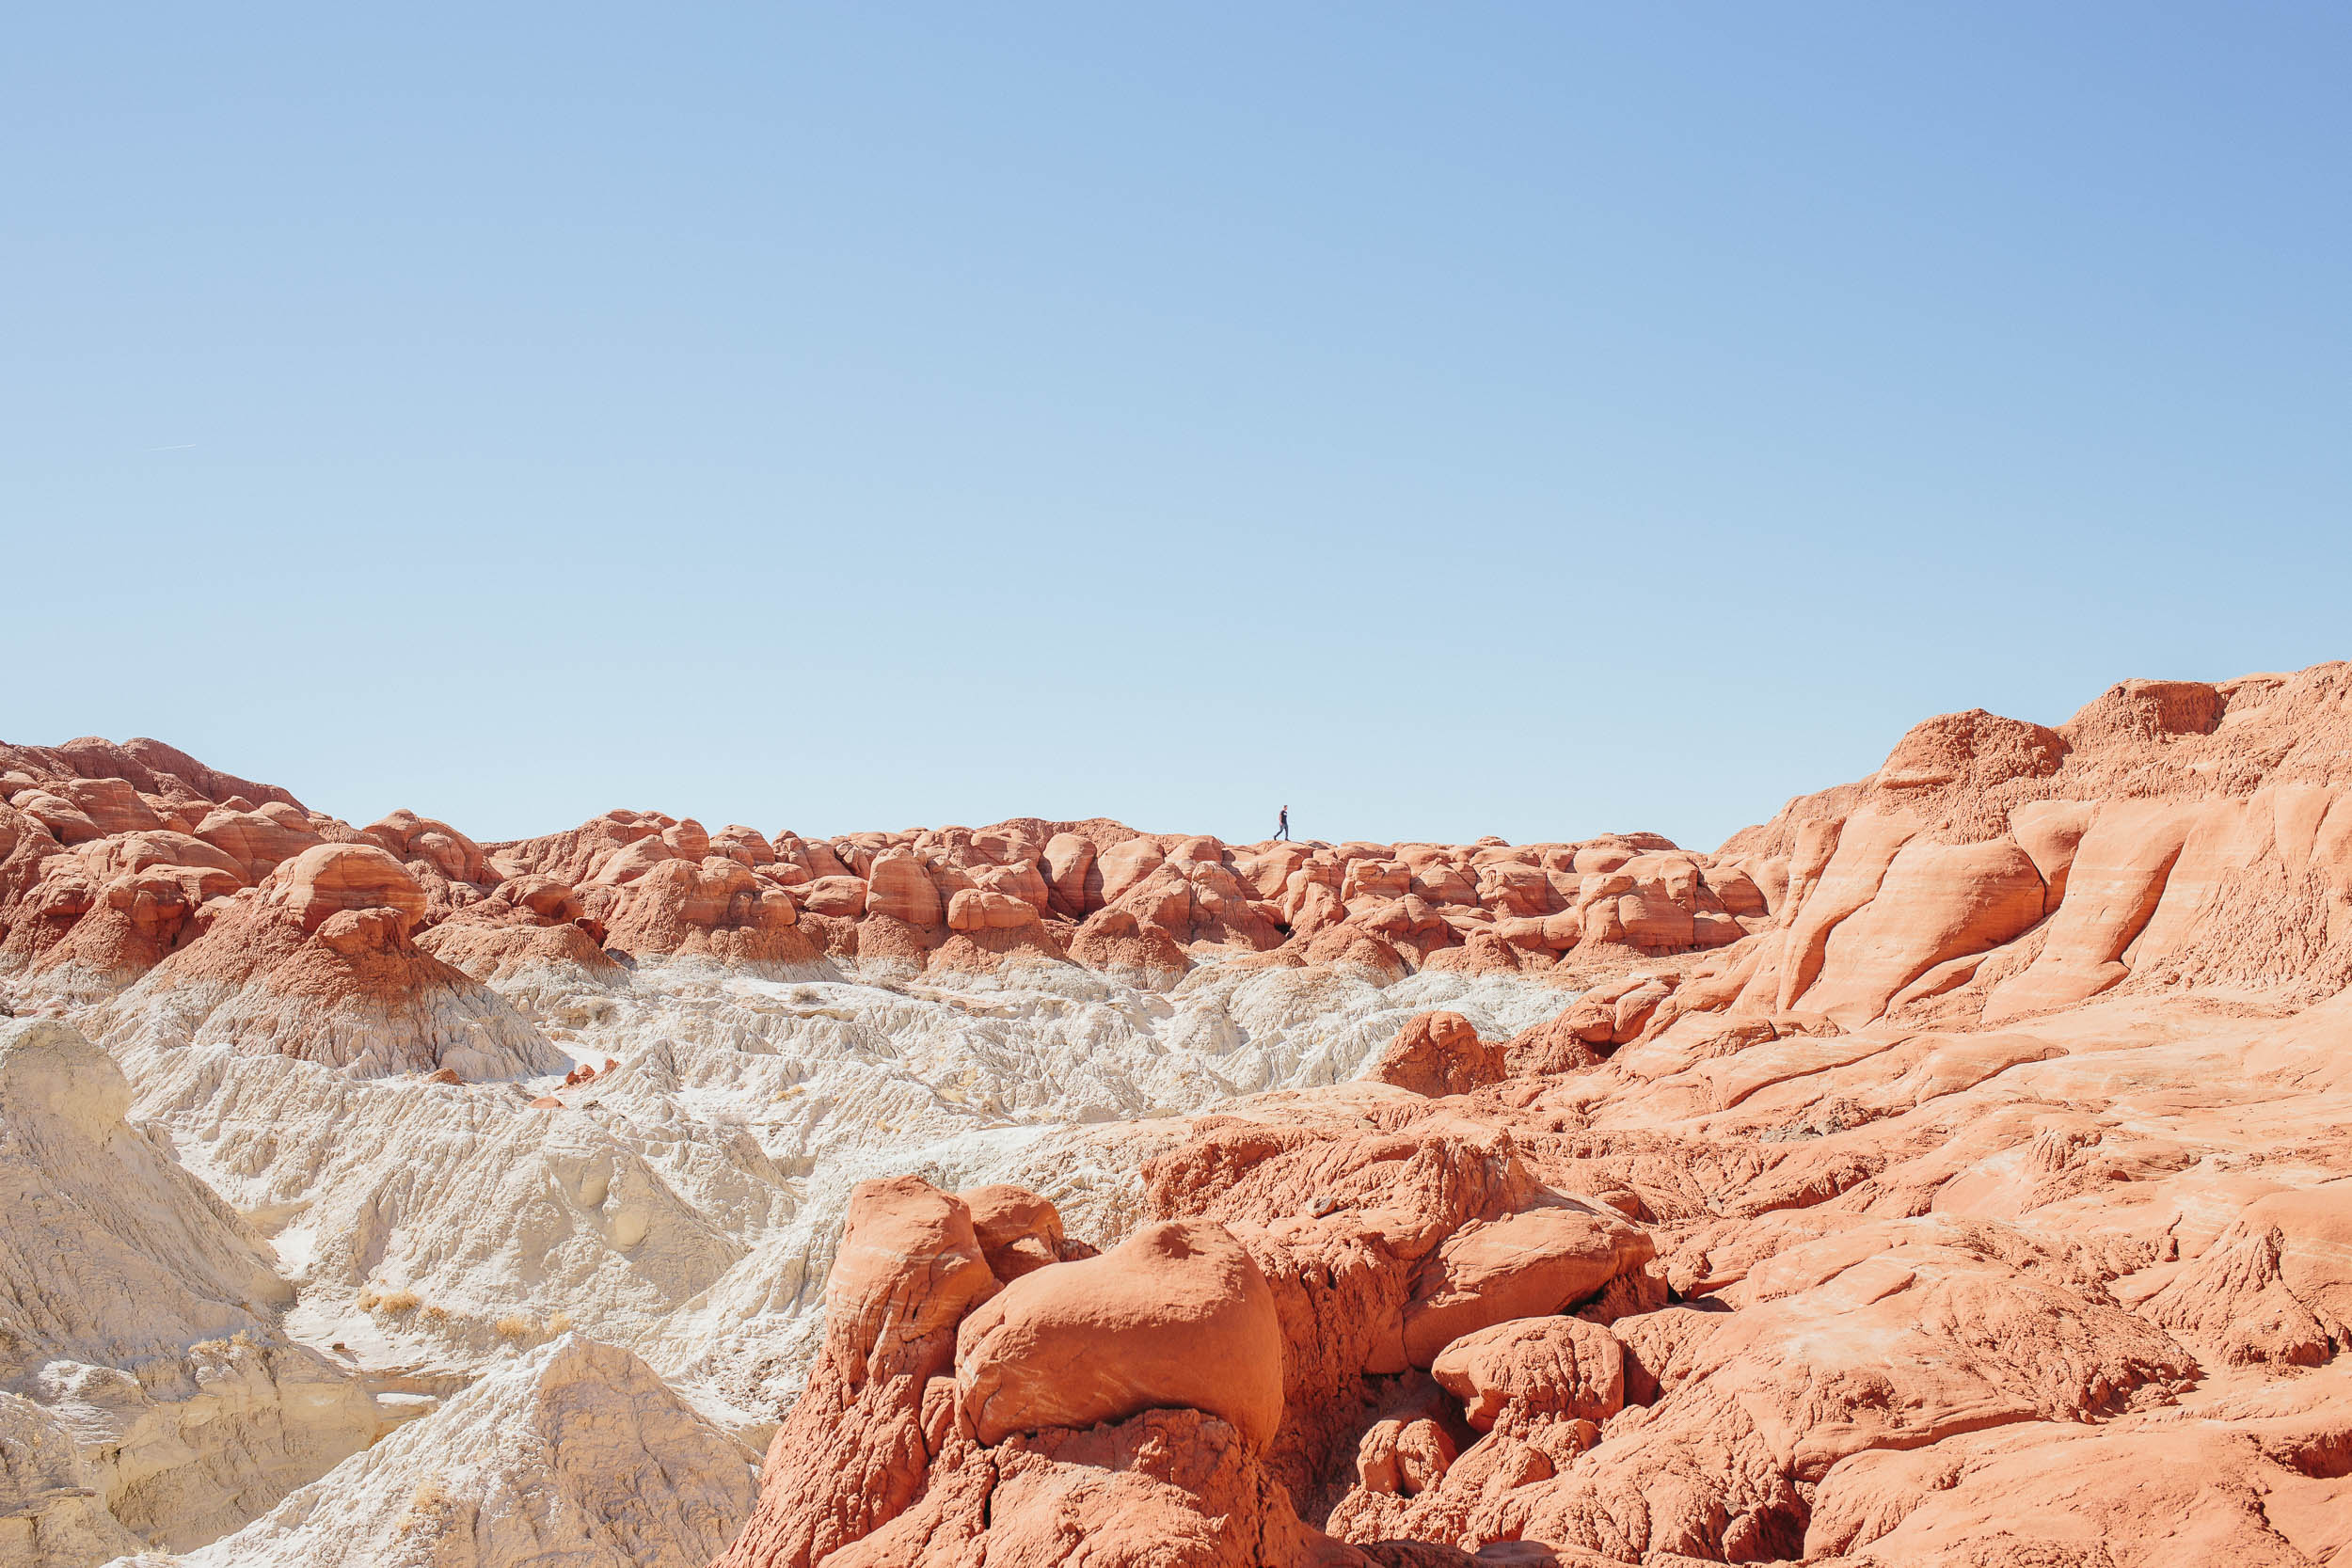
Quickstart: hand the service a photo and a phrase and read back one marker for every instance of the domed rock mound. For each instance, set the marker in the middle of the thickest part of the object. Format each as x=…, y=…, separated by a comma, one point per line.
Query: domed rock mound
x=1177, y=1315
x=318, y=964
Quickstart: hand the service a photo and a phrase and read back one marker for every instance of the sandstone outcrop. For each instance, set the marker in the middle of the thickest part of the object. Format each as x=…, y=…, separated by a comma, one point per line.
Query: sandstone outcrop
x=1950, y=1169
x=1176, y=1316
x=1540, y=1259
x=1869, y=1204
x=1019, y=1232
x=317, y=963
x=857, y=1448
x=1122, y=1400
x=527, y=925
x=1439, y=1053
x=1140, y=908
x=1522, y=1371
x=167, y=776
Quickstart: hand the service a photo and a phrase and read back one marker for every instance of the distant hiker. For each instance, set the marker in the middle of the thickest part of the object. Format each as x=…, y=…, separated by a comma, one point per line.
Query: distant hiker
x=1282, y=826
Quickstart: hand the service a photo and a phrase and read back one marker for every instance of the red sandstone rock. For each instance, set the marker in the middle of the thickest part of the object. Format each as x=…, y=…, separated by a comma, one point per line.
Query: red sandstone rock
x=878, y=1463
x=529, y=921
x=981, y=909
x=318, y=963
x=1437, y=1053
x=1559, y=1046
x=909, y=1268
x=738, y=843
x=843, y=897
x=1178, y=1315
x=1116, y=942
x=259, y=841
x=1068, y=860
x=60, y=815
x=1021, y=879
x=411, y=837
x=717, y=906
x=1269, y=870
x=1927, y=1154
x=1531, y=1263
x=852, y=1453
x=1376, y=880
x=1125, y=865
x=1403, y=1457
x=898, y=885
x=1019, y=1232
x=1976, y=748
x=114, y=804
x=2147, y=710
x=1508, y=888
x=1530, y=1370
x=149, y=765
x=331, y=878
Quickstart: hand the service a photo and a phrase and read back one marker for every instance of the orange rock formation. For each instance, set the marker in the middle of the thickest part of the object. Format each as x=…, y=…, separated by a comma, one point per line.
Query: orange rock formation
x=1948, y=1171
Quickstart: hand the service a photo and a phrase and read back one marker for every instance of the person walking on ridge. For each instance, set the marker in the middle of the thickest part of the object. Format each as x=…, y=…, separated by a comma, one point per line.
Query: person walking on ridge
x=1282, y=827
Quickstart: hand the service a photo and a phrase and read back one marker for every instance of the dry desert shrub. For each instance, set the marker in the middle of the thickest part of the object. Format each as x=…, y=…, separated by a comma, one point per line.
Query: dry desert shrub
x=430, y=1511
x=397, y=1301
x=515, y=1325
x=559, y=1324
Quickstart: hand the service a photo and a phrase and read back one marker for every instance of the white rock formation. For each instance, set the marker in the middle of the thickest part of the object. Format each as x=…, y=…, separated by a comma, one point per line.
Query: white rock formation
x=137, y=1324
x=686, y=1205
x=263, y=994
x=576, y=1457
x=51, y=1513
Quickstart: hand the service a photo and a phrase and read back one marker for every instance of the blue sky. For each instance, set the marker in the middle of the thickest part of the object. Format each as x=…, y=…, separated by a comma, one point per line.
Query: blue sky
x=1532, y=420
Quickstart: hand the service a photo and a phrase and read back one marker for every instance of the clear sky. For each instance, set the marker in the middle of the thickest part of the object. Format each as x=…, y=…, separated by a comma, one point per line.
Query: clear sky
x=1458, y=418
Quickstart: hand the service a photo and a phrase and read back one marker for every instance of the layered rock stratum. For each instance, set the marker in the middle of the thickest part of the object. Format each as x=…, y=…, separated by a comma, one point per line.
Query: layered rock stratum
x=1949, y=1170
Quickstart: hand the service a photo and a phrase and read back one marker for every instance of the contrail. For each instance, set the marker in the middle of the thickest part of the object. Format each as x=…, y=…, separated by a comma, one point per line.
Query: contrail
x=181, y=446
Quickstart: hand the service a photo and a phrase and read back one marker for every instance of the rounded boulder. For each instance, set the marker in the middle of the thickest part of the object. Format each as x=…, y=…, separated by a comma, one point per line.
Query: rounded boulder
x=1554, y=1368
x=1176, y=1316
x=898, y=885
x=908, y=1269
x=1526, y=1265
x=327, y=878
x=1439, y=1053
